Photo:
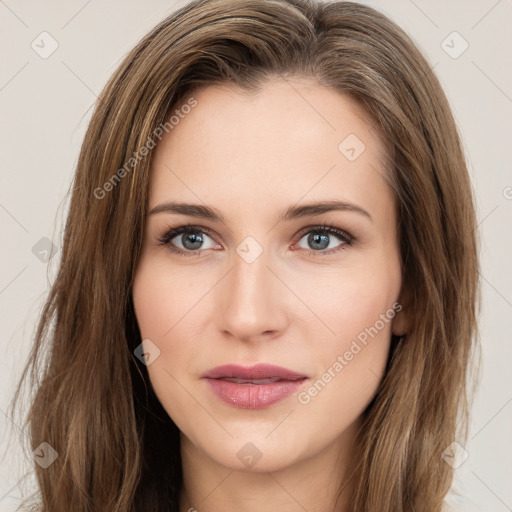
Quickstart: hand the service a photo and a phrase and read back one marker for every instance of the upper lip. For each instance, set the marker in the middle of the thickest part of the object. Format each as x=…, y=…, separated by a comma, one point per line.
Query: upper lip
x=255, y=372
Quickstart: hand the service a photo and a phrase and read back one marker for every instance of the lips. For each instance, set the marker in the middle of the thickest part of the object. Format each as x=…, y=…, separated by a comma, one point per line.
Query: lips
x=253, y=387
x=256, y=372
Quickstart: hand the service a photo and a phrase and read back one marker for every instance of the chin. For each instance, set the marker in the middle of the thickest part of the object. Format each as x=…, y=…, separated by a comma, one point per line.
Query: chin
x=254, y=454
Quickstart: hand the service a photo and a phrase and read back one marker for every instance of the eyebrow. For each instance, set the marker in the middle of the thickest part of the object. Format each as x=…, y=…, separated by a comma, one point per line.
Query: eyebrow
x=292, y=212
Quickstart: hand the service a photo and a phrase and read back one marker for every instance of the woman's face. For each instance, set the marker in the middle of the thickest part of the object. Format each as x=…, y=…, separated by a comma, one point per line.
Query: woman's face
x=265, y=278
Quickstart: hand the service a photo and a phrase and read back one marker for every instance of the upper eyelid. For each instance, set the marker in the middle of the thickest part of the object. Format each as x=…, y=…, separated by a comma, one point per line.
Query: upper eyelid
x=324, y=227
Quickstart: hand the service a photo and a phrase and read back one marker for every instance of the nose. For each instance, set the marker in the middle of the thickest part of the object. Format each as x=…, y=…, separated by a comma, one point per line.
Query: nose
x=252, y=301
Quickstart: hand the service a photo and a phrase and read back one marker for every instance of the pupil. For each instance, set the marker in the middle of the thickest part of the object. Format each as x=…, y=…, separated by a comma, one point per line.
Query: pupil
x=191, y=239
x=316, y=239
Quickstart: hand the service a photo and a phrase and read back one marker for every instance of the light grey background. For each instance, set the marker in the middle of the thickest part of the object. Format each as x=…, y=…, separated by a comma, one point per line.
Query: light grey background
x=46, y=105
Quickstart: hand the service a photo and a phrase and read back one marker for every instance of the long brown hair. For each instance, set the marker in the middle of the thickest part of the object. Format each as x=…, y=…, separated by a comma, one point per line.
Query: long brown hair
x=118, y=450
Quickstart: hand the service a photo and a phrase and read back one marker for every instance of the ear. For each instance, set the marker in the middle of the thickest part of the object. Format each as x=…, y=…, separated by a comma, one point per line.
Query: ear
x=402, y=320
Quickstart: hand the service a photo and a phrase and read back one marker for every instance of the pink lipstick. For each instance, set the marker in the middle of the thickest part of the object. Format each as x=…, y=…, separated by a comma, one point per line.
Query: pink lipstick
x=253, y=387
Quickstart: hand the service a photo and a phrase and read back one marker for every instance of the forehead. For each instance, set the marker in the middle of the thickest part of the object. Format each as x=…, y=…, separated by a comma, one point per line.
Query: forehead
x=292, y=139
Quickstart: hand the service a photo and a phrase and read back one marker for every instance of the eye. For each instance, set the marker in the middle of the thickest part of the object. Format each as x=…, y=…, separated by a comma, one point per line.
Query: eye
x=190, y=240
x=324, y=240
x=187, y=240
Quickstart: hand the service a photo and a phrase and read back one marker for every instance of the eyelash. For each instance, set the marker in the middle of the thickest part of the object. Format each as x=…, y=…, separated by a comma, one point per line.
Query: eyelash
x=171, y=233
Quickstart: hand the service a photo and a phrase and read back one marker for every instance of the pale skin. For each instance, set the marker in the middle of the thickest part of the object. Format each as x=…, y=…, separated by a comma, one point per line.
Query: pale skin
x=251, y=156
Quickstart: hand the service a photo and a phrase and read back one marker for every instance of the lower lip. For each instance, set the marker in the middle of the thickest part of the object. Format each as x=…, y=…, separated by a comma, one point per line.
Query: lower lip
x=253, y=396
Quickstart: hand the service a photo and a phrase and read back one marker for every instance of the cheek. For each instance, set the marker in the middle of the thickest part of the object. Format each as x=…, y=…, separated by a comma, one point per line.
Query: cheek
x=159, y=305
x=355, y=308
x=150, y=300
x=164, y=296
x=350, y=300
